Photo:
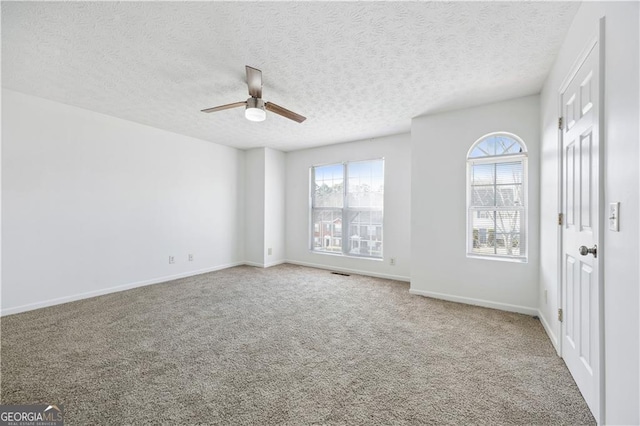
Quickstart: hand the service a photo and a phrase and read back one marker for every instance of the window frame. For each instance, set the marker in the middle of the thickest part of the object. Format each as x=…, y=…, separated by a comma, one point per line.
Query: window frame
x=472, y=211
x=345, y=210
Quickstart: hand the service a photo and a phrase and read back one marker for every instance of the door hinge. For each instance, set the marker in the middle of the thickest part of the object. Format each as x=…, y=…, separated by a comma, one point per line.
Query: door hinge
x=560, y=217
x=560, y=314
x=560, y=123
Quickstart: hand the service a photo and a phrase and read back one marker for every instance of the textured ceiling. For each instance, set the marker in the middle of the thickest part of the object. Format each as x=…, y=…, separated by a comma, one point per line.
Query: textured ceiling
x=356, y=70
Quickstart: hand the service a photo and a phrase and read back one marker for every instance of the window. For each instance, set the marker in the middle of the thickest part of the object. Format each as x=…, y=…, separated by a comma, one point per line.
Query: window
x=347, y=208
x=496, y=198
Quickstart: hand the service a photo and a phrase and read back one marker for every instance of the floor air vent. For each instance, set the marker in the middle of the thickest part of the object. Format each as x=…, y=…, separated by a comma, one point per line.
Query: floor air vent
x=341, y=273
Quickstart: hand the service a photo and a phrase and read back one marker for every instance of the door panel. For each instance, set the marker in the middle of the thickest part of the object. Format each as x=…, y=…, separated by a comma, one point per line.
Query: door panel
x=570, y=179
x=586, y=191
x=585, y=307
x=571, y=292
x=580, y=280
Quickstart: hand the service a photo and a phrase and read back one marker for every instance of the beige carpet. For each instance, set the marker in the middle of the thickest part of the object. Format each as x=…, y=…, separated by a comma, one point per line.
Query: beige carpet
x=285, y=345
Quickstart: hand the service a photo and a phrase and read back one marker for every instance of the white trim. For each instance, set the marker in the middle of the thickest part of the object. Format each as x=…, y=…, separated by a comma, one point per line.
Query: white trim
x=490, y=159
x=276, y=263
x=478, y=302
x=503, y=258
x=508, y=134
x=109, y=290
x=601, y=224
x=350, y=270
x=560, y=210
x=264, y=265
x=550, y=333
x=575, y=67
x=158, y=280
x=352, y=256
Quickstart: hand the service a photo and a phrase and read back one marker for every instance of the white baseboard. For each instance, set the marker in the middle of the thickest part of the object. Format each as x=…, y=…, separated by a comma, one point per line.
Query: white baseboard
x=86, y=295
x=349, y=270
x=477, y=302
x=549, y=330
x=265, y=265
x=276, y=263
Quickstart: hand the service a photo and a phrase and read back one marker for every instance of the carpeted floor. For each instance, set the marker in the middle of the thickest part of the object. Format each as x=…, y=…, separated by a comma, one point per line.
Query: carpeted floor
x=285, y=345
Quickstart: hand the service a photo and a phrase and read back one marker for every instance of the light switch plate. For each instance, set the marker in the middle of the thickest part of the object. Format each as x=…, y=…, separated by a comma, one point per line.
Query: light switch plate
x=614, y=217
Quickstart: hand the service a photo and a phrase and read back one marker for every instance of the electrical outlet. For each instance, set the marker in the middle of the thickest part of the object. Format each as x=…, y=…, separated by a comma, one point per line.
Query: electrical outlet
x=269, y=251
x=545, y=297
x=392, y=261
x=190, y=258
x=172, y=259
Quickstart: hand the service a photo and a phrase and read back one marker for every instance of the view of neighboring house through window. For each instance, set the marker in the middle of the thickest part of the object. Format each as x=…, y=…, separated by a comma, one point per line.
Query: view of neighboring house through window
x=347, y=208
x=496, y=197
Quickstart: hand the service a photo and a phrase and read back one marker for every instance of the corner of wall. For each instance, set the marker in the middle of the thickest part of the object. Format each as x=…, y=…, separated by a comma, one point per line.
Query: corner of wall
x=264, y=209
x=549, y=330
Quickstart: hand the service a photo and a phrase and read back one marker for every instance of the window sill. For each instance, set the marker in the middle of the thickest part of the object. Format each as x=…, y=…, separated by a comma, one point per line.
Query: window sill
x=348, y=256
x=498, y=258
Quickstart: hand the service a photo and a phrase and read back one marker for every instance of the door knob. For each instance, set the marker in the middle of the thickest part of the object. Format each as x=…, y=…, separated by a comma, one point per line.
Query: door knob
x=585, y=251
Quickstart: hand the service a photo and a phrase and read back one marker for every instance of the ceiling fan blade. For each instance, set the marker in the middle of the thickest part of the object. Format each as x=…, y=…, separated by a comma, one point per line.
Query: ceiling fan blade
x=254, y=81
x=270, y=106
x=227, y=106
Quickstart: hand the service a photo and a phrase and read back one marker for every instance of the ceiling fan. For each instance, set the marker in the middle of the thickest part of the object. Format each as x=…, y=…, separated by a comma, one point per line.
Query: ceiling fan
x=254, y=106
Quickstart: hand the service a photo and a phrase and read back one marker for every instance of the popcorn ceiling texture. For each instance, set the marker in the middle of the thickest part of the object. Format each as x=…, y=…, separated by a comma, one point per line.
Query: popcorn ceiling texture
x=356, y=70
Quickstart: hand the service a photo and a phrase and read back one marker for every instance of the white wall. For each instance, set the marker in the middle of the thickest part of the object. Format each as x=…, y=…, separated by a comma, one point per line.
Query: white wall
x=621, y=154
x=274, y=207
x=439, y=265
x=396, y=151
x=254, y=206
x=264, y=201
x=92, y=203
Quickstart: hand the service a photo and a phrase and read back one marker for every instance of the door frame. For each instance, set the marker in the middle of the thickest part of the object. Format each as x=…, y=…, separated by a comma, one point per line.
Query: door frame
x=596, y=40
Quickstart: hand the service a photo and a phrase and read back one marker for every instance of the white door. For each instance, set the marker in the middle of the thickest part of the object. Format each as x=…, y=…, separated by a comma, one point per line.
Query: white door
x=581, y=253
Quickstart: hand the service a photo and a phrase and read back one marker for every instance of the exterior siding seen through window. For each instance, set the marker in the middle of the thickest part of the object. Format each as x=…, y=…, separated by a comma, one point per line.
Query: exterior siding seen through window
x=496, y=198
x=347, y=202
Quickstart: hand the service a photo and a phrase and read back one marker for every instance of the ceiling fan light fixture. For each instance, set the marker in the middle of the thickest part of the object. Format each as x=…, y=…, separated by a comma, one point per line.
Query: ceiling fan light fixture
x=255, y=110
x=255, y=107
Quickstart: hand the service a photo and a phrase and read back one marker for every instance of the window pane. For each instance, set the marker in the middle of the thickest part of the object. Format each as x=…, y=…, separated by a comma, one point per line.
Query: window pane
x=366, y=184
x=484, y=149
x=508, y=221
x=497, y=184
x=327, y=231
x=497, y=232
x=496, y=145
x=483, y=196
x=509, y=173
x=508, y=244
x=328, y=186
x=483, y=174
x=506, y=145
x=484, y=232
x=365, y=233
x=509, y=195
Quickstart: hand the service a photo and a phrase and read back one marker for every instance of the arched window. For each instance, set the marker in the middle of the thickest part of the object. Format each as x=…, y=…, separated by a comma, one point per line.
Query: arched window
x=497, y=198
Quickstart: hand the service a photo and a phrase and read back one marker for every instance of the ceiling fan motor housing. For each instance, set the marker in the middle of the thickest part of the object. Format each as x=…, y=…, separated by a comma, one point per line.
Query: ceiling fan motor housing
x=255, y=109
